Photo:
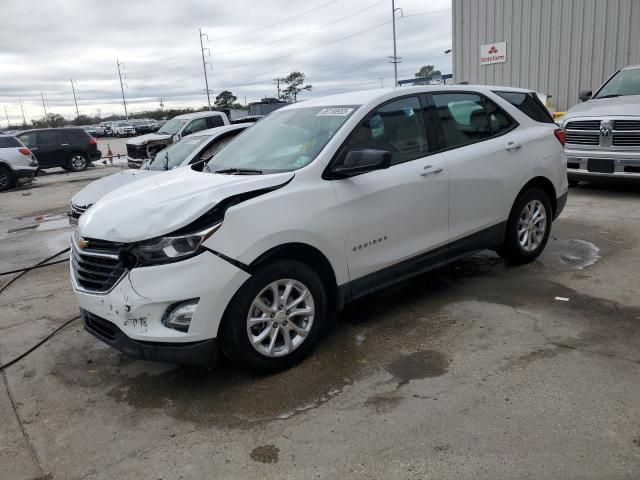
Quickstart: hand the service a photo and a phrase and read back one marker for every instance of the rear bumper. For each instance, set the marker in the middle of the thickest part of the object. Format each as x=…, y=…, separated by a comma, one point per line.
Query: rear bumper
x=202, y=353
x=25, y=173
x=561, y=202
x=97, y=155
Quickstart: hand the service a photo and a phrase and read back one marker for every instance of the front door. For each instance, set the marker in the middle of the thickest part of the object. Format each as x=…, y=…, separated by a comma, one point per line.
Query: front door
x=395, y=214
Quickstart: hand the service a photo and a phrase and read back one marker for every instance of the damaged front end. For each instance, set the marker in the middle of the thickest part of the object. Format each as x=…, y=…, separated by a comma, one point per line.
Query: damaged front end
x=145, y=148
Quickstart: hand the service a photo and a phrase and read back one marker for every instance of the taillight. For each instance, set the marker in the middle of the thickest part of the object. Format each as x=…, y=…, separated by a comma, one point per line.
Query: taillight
x=560, y=135
x=24, y=151
x=93, y=141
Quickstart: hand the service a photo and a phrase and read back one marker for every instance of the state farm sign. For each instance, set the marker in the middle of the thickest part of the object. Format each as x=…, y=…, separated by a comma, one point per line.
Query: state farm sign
x=493, y=53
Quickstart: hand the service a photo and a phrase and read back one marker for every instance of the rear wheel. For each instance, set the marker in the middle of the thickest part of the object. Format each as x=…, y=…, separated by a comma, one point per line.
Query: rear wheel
x=77, y=162
x=528, y=227
x=275, y=318
x=6, y=178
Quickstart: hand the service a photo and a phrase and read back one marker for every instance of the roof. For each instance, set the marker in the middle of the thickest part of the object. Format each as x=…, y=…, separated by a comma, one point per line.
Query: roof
x=43, y=129
x=219, y=130
x=631, y=67
x=206, y=113
x=378, y=95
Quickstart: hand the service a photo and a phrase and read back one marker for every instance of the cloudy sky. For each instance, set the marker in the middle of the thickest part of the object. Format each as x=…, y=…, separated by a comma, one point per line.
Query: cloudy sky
x=340, y=45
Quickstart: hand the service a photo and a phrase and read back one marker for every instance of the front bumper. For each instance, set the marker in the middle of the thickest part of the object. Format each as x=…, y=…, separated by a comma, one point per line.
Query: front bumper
x=625, y=164
x=135, y=162
x=140, y=299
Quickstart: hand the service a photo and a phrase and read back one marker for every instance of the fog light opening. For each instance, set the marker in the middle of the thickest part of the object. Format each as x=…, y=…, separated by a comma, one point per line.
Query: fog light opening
x=178, y=316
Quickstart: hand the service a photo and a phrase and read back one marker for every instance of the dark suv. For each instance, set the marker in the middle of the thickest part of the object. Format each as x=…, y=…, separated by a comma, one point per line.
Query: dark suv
x=69, y=148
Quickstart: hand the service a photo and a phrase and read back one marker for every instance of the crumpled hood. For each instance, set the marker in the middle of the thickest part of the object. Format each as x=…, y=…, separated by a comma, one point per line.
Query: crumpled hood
x=99, y=188
x=160, y=204
x=148, y=138
x=616, y=106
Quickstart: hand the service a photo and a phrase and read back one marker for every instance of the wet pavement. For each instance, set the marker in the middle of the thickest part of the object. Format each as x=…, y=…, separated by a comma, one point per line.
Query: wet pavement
x=476, y=370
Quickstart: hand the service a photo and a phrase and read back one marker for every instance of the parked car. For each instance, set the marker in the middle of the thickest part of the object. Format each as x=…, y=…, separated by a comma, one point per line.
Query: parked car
x=123, y=129
x=146, y=146
x=319, y=203
x=192, y=149
x=603, y=132
x=107, y=128
x=70, y=148
x=91, y=130
x=100, y=130
x=141, y=126
x=17, y=165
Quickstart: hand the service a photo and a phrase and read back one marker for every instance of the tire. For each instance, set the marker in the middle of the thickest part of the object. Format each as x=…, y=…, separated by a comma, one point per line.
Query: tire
x=574, y=183
x=521, y=248
x=77, y=162
x=7, y=179
x=303, y=330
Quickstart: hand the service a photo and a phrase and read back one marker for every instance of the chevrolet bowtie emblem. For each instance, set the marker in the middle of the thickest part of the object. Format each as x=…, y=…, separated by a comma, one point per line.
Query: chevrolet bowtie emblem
x=82, y=243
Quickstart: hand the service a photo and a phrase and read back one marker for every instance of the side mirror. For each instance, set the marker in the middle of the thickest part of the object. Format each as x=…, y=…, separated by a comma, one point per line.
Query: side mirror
x=357, y=162
x=585, y=95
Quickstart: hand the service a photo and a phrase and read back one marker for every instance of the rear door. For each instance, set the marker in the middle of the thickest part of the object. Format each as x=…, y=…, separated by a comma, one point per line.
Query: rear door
x=486, y=152
x=52, y=148
x=395, y=214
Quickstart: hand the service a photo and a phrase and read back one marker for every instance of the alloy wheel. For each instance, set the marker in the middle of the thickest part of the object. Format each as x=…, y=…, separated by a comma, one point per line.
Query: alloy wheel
x=532, y=225
x=280, y=317
x=78, y=162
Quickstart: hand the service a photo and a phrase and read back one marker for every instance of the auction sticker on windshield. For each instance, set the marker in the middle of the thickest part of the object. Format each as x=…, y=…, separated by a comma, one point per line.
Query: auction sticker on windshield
x=334, y=112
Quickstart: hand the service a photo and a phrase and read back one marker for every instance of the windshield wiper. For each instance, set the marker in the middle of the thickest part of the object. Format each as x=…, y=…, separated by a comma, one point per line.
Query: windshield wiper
x=611, y=95
x=239, y=171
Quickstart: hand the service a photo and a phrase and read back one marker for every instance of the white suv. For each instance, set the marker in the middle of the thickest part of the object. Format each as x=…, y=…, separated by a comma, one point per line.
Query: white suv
x=319, y=203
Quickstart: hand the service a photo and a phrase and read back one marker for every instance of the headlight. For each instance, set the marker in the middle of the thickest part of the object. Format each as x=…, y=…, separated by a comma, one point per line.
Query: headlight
x=172, y=248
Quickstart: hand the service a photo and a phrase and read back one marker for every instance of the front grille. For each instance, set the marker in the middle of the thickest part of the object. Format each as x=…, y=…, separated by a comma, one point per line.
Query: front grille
x=593, y=125
x=137, y=151
x=627, y=140
x=77, y=210
x=99, y=266
x=626, y=125
x=583, y=138
x=99, y=326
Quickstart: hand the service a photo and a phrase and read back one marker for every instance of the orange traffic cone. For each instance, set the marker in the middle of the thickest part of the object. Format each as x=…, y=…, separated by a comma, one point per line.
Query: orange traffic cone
x=109, y=154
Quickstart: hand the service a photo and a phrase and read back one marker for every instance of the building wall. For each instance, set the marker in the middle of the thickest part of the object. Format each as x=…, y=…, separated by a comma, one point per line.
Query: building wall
x=558, y=47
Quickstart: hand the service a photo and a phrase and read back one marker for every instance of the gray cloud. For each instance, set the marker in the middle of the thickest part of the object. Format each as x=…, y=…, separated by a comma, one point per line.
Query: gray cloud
x=45, y=44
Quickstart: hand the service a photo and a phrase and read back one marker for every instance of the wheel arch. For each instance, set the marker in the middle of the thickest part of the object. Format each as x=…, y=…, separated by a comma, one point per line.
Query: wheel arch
x=309, y=255
x=544, y=184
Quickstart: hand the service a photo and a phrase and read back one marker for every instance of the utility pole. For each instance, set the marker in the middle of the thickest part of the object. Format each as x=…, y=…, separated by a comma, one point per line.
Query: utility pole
x=120, y=74
x=395, y=59
x=75, y=100
x=277, y=82
x=7, y=115
x=46, y=119
x=24, y=120
x=204, y=65
x=381, y=83
x=161, y=103
x=99, y=111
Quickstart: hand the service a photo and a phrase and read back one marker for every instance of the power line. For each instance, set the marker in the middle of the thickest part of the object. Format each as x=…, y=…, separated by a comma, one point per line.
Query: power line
x=276, y=23
x=157, y=62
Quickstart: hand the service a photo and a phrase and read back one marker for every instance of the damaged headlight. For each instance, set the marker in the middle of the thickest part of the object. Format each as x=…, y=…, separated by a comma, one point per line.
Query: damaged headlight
x=171, y=248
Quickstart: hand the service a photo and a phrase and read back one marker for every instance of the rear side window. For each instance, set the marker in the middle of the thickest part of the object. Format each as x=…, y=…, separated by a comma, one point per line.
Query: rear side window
x=75, y=135
x=215, y=121
x=50, y=136
x=9, y=142
x=29, y=139
x=529, y=104
x=468, y=118
x=397, y=127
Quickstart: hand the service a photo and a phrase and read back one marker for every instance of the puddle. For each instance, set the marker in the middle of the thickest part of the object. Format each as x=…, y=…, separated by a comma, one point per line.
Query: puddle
x=574, y=253
x=418, y=365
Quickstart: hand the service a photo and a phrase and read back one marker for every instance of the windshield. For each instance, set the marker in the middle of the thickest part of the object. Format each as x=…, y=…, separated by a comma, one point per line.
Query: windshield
x=174, y=155
x=172, y=126
x=623, y=83
x=283, y=141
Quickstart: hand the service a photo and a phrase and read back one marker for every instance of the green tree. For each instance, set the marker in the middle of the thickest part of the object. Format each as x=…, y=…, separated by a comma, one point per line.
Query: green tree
x=52, y=120
x=427, y=71
x=225, y=100
x=294, y=85
x=83, y=120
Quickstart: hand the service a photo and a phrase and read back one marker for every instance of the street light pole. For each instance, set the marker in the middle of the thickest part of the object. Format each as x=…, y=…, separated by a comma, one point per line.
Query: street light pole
x=204, y=66
x=124, y=102
x=395, y=59
x=24, y=120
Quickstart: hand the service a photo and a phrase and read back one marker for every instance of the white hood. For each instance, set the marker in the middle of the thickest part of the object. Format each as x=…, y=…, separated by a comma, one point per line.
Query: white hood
x=628, y=105
x=161, y=204
x=99, y=188
x=148, y=138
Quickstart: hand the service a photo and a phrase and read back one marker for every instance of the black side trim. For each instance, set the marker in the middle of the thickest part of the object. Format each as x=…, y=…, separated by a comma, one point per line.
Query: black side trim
x=560, y=204
x=488, y=238
x=233, y=262
x=202, y=353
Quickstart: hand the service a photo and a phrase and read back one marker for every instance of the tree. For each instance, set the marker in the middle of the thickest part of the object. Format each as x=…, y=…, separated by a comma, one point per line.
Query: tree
x=427, y=71
x=52, y=120
x=225, y=100
x=83, y=120
x=295, y=84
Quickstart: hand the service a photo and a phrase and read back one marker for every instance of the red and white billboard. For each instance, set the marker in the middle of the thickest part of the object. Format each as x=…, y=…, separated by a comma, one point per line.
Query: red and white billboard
x=493, y=53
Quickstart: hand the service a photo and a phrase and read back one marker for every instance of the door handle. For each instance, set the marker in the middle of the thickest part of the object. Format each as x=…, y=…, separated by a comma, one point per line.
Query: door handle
x=64, y=144
x=426, y=170
x=33, y=148
x=512, y=146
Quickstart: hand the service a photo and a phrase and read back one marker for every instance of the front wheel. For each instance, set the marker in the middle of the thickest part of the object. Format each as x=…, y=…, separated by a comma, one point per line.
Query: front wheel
x=77, y=162
x=275, y=318
x=528, y=227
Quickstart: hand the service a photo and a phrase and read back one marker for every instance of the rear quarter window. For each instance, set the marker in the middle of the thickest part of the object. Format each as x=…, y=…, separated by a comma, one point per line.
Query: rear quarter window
x=529, y=104
x=215, y=121
x=9, y=142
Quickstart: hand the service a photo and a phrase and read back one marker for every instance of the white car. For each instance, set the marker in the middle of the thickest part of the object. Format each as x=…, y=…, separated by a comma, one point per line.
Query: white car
x=122, y=129
x=319, y=203
x=198, y=147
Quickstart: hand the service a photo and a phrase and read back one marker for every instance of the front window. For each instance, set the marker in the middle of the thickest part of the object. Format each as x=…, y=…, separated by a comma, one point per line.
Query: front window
x=623, y=83
x=174, y=155
x=172, y=126
x=283, y=141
